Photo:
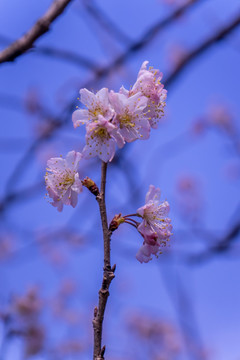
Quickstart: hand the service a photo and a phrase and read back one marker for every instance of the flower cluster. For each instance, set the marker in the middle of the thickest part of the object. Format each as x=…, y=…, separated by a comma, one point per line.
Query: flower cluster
x=111, y=119
x=116, y=118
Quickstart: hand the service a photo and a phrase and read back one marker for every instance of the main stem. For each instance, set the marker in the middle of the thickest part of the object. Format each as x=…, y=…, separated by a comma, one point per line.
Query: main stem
x=108, y=272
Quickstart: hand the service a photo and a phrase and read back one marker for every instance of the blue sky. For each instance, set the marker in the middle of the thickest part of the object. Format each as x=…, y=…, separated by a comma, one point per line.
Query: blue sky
x=172, y=151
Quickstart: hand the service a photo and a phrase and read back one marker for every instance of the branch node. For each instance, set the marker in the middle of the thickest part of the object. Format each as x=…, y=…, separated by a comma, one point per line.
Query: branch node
x=103, y=351
x=114, y=268
x=91, y=186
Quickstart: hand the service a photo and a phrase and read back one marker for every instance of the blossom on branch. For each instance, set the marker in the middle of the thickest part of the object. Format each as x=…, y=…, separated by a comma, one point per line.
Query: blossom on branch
x=62, y=180
x=149, y=84
x=101, y=139
x=97, y=104
x=156, y=226
x=130, y=116
x=115, y=118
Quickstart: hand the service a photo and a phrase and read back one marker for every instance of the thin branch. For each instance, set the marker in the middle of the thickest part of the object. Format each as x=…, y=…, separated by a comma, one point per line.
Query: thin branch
x=29, y=154
x=220, y=35
x=138, y=45
x=221, y=246
x=105, y=22
x=21, y=195
x=61, y=54
x=150, y=35
x=67, y=55
x=108, y=272
x=26, y=42
x=100, y=72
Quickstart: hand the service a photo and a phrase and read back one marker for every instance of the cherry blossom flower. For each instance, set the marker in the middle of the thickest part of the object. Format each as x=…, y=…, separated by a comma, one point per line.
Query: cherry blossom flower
x=62, y=180
x=97, y=104
x=156, y=226
x=149, y=84
x=130, y=116
x=101, y=139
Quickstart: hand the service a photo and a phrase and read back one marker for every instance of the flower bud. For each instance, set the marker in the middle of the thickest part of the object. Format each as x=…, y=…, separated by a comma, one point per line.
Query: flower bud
x=90, y=184
x=116, y=221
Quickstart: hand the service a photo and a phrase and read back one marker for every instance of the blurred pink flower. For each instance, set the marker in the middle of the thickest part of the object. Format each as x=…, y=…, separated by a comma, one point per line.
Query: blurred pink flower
x=219, y=115
x=34, y=340
x=156, y=332
x=33, y=101
x=176, y=55
x=67, y=287
x=7, y=245
x=62, y=180
x=27, y=308
x=199, y=126
x=69, y=347
x=189, y=197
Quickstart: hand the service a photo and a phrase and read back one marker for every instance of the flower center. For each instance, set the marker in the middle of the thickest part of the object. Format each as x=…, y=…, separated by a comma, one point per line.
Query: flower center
x=126, y=121
x=66, y=181
x=101, y=132
x=97, y=111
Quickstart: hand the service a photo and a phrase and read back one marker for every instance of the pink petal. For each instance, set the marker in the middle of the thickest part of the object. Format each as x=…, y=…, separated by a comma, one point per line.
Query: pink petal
x=72, y=160
x=88, y=98
x=153, y=194
x=80, y=117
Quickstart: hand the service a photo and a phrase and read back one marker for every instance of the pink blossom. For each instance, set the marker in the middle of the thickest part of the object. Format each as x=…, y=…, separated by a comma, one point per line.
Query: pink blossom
x=130, y=116
x=62, y=180
x=149, y=84
x=154, y=214
x=145, y=252
x=101, y=138
x=156, y=226
x=97, y=104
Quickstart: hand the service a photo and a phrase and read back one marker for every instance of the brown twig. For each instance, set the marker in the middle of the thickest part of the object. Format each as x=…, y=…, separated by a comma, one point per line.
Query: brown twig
x=26, y=42
x=222, y=246
x=108, y=273
x=136, y=46
x=105, y=22
x=69, y=56
x=218, y=36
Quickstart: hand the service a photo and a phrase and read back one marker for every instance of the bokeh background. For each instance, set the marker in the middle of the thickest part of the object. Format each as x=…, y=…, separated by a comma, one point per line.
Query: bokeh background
x=183, y=305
